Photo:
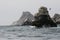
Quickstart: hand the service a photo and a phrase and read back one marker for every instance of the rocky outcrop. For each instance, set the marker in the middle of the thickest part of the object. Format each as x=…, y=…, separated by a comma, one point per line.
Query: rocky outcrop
x=43, y=18
x=56, y=18
x=39, y=20
x=25, y=19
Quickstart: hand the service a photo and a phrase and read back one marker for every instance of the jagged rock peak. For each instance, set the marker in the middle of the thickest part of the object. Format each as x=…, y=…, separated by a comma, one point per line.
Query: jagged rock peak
x=26, y=16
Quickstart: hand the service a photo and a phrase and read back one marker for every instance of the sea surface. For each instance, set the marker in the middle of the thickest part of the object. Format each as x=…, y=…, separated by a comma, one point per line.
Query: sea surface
x=29, y=33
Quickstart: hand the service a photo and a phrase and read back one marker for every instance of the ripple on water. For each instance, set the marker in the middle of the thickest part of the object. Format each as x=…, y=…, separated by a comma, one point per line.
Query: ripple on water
x=27, y=33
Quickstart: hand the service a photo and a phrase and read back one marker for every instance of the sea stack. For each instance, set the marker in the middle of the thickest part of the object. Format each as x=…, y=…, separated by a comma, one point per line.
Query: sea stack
x=43, y=18
x=25, y=19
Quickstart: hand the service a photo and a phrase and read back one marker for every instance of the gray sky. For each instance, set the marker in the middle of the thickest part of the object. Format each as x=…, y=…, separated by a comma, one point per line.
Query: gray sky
x=11, y=10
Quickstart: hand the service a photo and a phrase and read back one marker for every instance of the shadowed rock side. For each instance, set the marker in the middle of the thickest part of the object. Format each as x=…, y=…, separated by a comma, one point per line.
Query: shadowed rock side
x=25, y=19
x=56, y=18
x=43, y=18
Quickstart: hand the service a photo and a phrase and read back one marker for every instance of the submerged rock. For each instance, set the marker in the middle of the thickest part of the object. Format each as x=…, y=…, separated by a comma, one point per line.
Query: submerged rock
x=43, y=18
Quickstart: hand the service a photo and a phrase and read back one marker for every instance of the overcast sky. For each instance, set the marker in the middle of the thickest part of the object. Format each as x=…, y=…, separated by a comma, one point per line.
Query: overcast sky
x=11, y=10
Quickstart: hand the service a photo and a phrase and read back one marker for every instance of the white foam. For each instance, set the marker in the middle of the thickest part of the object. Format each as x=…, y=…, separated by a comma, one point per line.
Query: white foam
x=32, y=26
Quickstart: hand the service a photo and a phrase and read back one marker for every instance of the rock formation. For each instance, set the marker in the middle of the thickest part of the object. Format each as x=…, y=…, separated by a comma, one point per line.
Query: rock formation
x=40, y=19
x=25, y=19
x=43, y=18
x=56, y=18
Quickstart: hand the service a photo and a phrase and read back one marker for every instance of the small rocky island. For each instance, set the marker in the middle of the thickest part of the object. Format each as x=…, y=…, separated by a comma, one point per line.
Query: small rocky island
x=40, y=19
x=43, y=18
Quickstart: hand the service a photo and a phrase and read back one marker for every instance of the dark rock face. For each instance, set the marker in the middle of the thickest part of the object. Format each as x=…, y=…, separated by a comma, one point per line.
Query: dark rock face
x=43, y=18
x=56, y=18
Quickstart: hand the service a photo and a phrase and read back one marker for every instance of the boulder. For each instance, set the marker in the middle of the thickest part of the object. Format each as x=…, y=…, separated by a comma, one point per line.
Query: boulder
x=56, y=18
x=43, y=18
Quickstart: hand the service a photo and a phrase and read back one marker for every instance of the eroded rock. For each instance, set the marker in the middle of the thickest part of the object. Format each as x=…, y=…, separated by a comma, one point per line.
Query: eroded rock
x=56, y=18
x=43, y=18
x=25, y=19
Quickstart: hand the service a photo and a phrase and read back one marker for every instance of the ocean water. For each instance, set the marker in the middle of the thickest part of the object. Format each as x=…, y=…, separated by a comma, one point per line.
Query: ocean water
x=29, y=33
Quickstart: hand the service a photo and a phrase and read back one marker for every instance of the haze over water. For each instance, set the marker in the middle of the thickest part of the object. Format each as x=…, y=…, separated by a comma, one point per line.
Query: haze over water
x=11, y=10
